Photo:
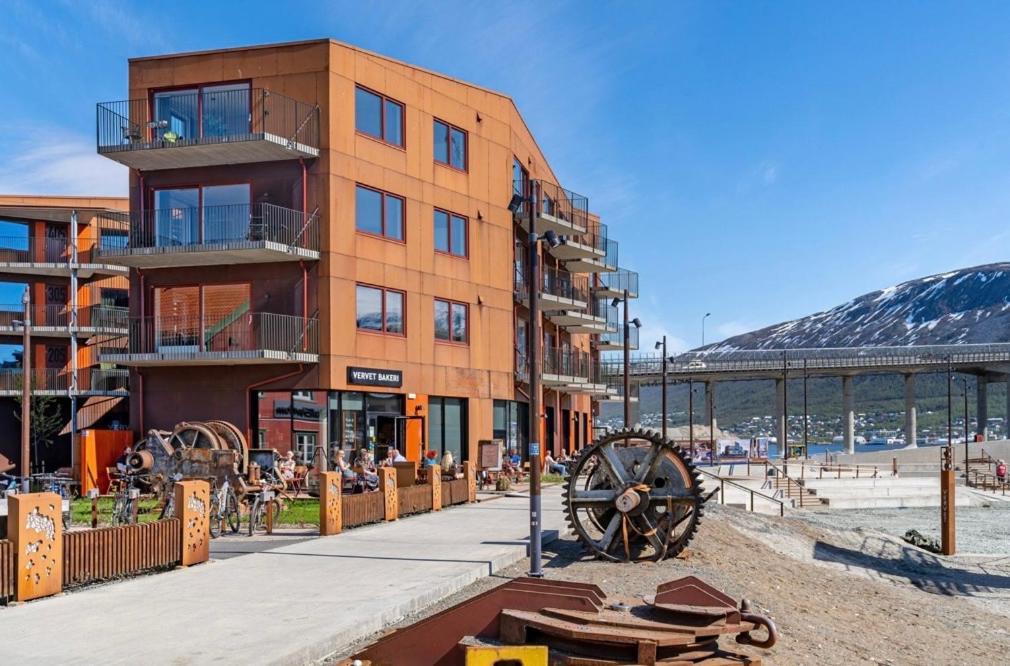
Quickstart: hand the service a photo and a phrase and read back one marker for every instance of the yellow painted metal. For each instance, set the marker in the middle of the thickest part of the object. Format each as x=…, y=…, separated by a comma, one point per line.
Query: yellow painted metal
x=513, y=655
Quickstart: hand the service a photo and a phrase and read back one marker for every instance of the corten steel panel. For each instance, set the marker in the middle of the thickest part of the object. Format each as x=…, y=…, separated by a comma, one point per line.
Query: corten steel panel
x=435, y=481
x=470, y=475
x=330, y=510
x=387, y=486
x=35, y=528
x=362, y=509
x=113, y=552
x=413, y=499
x=7, y=583
x=455, y=492
x=192, y=505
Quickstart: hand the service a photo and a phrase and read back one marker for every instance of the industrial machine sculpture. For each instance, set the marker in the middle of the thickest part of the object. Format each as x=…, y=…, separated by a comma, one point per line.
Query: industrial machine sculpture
x=633, y=495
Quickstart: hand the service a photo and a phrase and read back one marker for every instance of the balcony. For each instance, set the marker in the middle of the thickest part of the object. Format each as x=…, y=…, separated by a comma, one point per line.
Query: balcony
x=613, y=285
x=239, y=338
x=231, y=124
x=591, y=321
x=560, y=290
x=591, y=252
x=565, y=367
x=58, y=382
x=55, y=320
x=53, y=257
x=209, y=236
x=557, y=209
x=615, y=393
x=614, y=340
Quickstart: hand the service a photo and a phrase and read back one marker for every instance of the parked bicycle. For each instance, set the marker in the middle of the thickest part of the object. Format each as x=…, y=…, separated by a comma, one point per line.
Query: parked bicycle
x=124, y=511
x=266, y=496
x=224, y=510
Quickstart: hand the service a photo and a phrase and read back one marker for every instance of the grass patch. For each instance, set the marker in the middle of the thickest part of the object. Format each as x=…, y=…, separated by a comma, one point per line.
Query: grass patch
x=302, y=512
x=80, y=510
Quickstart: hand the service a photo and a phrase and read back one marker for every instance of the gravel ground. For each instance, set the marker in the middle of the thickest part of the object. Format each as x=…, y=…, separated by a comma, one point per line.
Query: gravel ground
x=979, y=530
x=839, y=596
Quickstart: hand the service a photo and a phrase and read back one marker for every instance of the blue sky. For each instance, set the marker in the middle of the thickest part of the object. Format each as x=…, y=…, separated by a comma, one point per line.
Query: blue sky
x=756, y=160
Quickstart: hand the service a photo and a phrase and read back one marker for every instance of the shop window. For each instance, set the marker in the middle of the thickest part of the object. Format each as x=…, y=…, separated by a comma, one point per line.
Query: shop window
x=450, y=233
x=378, y=213
x=451, y=321
x=378, y=116
x=305, y=447
x=447, y=427
x=379, y=310
x=450, y=145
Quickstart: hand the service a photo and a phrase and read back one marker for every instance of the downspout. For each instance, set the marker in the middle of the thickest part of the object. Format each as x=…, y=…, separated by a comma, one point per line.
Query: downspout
x=305, y=306
x=250, y=387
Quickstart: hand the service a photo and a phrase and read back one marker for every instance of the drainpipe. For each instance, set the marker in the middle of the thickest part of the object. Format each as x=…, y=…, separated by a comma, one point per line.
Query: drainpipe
x=73, y=389
x=250, y=387
x=305, y=305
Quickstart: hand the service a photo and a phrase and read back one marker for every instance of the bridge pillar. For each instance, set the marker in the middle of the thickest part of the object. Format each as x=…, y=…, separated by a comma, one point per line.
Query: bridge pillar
x=910, y=413
x=982, y=407
x=710, y=409
x=848, y=414
x=780, y=411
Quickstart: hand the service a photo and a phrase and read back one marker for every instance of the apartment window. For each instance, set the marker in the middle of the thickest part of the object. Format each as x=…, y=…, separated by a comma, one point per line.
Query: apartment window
x=450, y=233
x=450, y=145
x=202, y=318
x=305, y=447
x=520, y=178
x=379, y=213
x=379, y=310
x=447, y=426
x=451, y=321
x=378, y=116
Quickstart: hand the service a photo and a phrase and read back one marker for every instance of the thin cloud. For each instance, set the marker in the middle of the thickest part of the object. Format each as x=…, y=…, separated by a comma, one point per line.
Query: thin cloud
x=57, y=162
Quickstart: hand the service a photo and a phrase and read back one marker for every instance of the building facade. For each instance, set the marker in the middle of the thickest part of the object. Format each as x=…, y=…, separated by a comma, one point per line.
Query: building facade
x=322, y=250
x=78, y=309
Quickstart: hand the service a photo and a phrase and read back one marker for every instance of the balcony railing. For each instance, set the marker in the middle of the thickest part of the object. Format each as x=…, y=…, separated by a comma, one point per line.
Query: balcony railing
x=615, y=339
x=89, y=317
x=219, y=122
x=567, y=362
x=51, y=381
x=230, y=228
x=554, y=282
x=614, y=284
x=562, y=210
x=239, y=336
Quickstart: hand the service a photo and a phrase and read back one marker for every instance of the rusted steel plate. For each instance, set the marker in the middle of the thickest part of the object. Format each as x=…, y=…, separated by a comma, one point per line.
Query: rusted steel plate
x=361, y=509
x=114, y=552
x=6, y=570
x=455, y=492
x=414, y=499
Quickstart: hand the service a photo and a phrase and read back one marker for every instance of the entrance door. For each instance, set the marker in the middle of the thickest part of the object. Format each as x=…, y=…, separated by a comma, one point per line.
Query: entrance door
x=382, y=428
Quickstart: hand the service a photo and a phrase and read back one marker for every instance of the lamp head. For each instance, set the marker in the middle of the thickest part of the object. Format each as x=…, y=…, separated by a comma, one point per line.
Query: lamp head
x=637, y=322
x=659, y=345
x=552, y=238
x=615, y=302
x=515, y=203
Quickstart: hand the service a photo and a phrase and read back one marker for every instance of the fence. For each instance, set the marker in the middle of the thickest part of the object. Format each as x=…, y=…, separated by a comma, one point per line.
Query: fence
x=361, y=509
x=6, y=570
x=414, y=499
x=115, y=552
x=455, y=492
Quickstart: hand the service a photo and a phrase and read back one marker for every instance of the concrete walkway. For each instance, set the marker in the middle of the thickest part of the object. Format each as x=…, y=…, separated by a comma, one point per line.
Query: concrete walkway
x=288, y=605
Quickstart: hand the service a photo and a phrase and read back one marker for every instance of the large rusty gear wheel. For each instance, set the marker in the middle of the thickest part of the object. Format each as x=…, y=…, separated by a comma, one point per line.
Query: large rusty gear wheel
x=633, y=495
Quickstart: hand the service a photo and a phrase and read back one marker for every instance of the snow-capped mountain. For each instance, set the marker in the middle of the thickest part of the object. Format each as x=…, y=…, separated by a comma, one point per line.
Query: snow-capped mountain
x=971, y=305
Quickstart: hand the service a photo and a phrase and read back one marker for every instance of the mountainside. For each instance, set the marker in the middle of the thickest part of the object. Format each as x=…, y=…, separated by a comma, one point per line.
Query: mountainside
x=971, y=305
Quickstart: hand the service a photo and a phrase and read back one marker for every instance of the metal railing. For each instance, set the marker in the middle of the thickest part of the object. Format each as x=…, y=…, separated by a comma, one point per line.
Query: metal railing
x=522, y=366
x=617, y=338
x=58, y=380
x=26, y=249
x=192, y=118
x=814, y=359
x=58, y=316
x=554, y=282
x=181, y=229
x=619, y=281
x=567, y=362
x=242, y=331
x=753, y=493
x=124, y=550
x=557, y=202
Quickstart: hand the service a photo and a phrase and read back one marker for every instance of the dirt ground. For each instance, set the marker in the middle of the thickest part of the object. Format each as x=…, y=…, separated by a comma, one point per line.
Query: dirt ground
x=845, y=596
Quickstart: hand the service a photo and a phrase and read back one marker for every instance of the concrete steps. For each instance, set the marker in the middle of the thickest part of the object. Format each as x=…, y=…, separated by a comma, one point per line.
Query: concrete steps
x=885, y=492
x=890, y=502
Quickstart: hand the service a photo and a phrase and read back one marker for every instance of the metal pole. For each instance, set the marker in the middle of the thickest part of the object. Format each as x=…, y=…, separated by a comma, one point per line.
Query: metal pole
x=690, y=415
x=805, y=417
x=627, y=363
x=26, y=391
x=950, y=407
x=662, y=426
x=785, y=406
x=966, y=429
x=73, y=389
x=533, y=347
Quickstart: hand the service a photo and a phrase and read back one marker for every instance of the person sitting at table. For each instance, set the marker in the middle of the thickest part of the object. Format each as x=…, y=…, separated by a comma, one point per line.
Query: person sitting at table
x=393, y=456
x=287, y=466
x=554, y=467
x=121, y=460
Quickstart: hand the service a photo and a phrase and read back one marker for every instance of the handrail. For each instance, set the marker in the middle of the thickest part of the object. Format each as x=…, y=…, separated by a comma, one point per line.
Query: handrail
x=722, y=493
x=791, y=483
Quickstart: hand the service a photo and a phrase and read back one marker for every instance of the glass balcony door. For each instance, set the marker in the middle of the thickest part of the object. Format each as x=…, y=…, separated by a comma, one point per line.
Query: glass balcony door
x=213, y=214
x=207, y=318
x=206, y=112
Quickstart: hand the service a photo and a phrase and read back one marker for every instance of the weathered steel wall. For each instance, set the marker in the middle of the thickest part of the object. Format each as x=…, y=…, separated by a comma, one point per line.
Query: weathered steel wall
x=362, y=509
x=414, y=499
x=455, y=492
x=114, y=552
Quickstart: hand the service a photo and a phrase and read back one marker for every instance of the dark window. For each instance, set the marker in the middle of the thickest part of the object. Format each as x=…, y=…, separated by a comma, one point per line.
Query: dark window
x=451, y=321
x=378, y=213
x=520, y=178
x=450, y=145
x=379, y=310
x=378, y=116
x=447, y=426
x=450, y=233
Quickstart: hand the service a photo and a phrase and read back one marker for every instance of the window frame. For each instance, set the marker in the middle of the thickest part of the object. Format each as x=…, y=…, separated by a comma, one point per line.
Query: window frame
x=437, y=403
x=452, y=304
x=382, y=118
x=383, y=195
x=448, y=146
x=384, y=291
x=466, y=233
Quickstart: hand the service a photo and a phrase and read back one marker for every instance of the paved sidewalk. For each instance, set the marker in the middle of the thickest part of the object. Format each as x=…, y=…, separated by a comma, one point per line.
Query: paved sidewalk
x=288, y=605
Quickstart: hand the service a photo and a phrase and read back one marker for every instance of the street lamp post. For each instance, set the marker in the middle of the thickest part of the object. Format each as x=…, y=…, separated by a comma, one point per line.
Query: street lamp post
x=690, y=415
x=662, y=423
x=965, y=391
x=627, y=354
x=26, y=391
x=707, y=315
x=806, y=418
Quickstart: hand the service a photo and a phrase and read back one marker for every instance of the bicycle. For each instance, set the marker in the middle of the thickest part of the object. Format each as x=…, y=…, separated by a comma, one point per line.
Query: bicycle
x=258, y=511
x=123, y=510
x=224, y=510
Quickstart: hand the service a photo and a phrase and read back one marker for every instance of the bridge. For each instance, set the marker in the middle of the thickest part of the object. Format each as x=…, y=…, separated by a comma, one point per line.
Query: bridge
x=990, y=363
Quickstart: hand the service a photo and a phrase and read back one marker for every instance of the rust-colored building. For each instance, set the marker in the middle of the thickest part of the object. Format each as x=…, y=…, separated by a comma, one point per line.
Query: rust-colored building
x=321, y=237
x=78, y=307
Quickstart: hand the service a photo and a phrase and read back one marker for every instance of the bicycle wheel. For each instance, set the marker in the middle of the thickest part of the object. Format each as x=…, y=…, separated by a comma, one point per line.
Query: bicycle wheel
x=231, y=512
x=216, y=517
x=120, y=511
x=256, y=514
x=168, y=508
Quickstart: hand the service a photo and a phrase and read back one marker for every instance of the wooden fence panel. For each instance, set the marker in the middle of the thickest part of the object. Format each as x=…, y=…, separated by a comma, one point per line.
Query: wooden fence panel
x=362, y=509
x=455, y=492
x=6, y=570
x=414, y=499
x=124, y=550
